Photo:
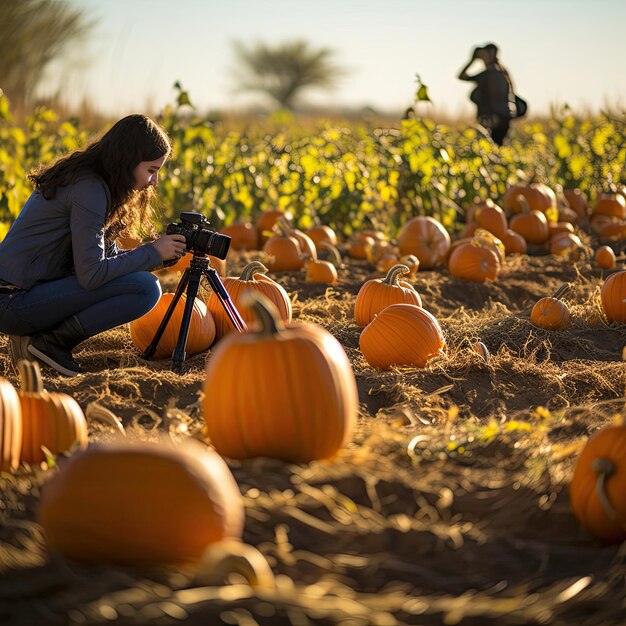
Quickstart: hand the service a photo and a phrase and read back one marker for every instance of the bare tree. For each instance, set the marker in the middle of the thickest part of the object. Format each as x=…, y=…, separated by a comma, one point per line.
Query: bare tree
x=283, y=72
x=32, y=34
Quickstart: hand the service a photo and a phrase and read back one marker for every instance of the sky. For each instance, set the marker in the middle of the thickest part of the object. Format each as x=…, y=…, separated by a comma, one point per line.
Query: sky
x=556, y=51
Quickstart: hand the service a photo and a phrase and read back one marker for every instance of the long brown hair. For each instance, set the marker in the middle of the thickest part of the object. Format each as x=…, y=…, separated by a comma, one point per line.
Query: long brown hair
x=113, y=157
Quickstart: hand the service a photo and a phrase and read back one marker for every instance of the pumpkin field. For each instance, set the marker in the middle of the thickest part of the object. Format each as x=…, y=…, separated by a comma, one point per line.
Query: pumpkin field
x=398, y=437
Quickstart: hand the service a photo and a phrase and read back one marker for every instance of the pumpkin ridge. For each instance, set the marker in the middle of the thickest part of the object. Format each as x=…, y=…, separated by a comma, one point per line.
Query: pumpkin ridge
x=295, y=352
x=396, y=327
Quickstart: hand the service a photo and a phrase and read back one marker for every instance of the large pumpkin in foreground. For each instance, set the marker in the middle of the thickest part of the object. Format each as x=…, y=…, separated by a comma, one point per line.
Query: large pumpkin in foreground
x=140, y=504
x=613, y=297
x=598, y=486
x=285, y=392
x=402, y=334
x=201, y=327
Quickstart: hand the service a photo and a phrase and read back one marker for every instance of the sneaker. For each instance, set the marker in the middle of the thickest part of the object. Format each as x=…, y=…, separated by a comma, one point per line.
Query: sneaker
x=55, y=356
x=18, y=348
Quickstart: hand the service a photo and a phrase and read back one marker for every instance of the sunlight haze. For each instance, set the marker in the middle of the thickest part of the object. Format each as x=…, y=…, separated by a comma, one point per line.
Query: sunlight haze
x=556, y=52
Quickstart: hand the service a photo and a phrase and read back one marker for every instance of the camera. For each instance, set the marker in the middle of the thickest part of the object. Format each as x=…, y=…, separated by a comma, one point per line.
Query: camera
x=199, y=238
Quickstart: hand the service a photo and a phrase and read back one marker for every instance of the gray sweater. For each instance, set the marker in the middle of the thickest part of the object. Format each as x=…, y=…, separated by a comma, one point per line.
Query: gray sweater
x=51, y=239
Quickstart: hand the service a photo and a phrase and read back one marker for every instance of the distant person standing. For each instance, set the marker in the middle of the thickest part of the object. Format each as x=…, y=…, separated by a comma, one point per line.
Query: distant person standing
x=493, y=94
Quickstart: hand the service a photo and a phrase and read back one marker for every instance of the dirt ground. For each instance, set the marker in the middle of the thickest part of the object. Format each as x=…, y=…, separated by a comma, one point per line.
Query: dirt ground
x=449, y=506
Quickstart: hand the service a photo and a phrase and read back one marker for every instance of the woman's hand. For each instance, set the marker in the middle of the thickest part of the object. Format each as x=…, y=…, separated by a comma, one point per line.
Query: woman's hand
x=170, y=247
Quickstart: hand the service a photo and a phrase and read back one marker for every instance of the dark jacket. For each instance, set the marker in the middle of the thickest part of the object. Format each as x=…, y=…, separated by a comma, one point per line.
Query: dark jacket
x=55, y=238
x=493, y=94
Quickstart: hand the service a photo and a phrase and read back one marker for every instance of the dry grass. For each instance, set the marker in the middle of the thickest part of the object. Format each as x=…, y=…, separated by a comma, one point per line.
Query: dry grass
x=449, y=506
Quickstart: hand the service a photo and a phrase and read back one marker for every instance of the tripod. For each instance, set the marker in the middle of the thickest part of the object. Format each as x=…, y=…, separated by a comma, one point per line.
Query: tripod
x=199, y=266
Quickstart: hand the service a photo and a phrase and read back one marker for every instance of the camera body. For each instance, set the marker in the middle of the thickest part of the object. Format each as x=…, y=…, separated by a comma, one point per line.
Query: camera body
x=199, y=238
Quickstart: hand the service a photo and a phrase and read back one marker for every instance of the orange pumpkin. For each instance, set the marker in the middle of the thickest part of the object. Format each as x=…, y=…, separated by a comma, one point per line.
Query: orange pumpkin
x=605, y=258
x=599, y=222
x=201, y=327
x=557, y=228
x=378, y=250
x=140, y=504
x=614, y=231
x=243, y=235
x=490, y=216
x=266, y=221
x=473, y=261
x=50, y=419
x=536, y=196
x=321, y=272
x=567, y=245
x=386, y=262
x=481, y=237
x=514, y=243
x=532, y=225
x=613, y=297
x=567, y=215
x=427, y=239
x=285, y=392
x=598, y=484
x=611, y=205
x=401, y=334
x=320, y=233
x=578, y=203
x=10, y=427
x=551, y=313
x=283, y=253
x=252, y=278
x=378, y=293
x=307, y=246
x=359, y=245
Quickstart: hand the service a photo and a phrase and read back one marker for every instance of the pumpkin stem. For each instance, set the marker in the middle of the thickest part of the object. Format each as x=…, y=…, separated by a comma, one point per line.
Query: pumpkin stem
x=521, y=198
x=225, y=557
x=284, y=226
x=333, y=251
x=480, y=348
x=97, y=412
x=255, y=267
x=394, y=272
x=604, y=468
x=411, y=258
x=564, y=288
x=264, y=312
x=30, y=376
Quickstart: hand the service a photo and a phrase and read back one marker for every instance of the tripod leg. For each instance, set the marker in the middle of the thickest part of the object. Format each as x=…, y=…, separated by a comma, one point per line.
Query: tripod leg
x=150, y=350
x=179, y=351
x=224, y=297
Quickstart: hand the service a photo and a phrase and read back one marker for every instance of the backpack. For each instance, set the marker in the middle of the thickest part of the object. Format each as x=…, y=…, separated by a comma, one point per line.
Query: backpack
x=520, y=106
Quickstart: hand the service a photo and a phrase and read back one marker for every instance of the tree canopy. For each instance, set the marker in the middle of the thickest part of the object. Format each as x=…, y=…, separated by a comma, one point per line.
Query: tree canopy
x=32, y=34
x=285, y=71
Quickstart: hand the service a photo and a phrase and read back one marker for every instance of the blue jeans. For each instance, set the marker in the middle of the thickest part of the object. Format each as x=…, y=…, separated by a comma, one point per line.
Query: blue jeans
x=47, y=304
